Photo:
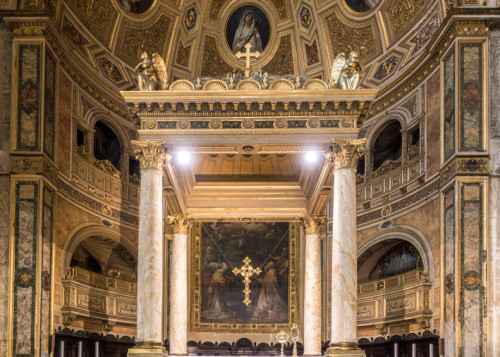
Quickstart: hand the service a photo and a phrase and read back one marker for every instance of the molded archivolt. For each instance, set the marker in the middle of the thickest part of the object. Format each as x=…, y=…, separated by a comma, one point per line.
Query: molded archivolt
x=405, y=233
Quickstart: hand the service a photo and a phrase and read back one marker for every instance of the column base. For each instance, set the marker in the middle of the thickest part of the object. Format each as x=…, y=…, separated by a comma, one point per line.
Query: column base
x=344, y=349
x=145, y=349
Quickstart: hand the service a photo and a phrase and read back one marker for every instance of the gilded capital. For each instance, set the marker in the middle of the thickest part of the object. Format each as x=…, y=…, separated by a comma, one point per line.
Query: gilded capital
x=346, y=154
x=151, y=154
x=313, y=225
x=179, y=224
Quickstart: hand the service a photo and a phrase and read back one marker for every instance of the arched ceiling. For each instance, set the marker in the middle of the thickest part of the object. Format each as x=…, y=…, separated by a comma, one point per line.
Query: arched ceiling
x=305, y=36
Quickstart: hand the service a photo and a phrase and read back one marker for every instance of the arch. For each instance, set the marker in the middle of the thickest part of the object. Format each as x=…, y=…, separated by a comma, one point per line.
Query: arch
x=409, y=234
x=95, y=114
x=80, y=233
x=373, y=133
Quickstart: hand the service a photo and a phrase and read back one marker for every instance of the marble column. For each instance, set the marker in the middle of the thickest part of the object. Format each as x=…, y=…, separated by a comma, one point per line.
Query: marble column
x=344, y=157
x=179, y=287
x=152, y=159
x=312, y=287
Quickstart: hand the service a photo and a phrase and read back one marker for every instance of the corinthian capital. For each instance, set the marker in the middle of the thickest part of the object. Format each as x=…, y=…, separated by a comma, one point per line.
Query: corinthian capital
x=346, y=154
x=151, y=154
x=179, y=224
x=312, y=224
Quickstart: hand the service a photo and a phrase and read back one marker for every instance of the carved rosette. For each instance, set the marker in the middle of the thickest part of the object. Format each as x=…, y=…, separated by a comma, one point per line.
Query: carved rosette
x=151, y=154
x=179, y=224
x=346, y=154
x=313, y=225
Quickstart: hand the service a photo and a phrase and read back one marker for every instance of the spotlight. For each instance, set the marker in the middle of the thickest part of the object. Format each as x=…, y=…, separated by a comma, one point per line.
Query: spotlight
x=311, y=157
x=183, y=157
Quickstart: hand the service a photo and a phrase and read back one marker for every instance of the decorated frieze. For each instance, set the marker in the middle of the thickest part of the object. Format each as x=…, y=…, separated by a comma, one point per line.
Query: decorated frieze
x=464, y=166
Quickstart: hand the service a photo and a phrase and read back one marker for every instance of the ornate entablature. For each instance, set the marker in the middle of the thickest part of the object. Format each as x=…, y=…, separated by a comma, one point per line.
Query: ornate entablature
x=292, y=108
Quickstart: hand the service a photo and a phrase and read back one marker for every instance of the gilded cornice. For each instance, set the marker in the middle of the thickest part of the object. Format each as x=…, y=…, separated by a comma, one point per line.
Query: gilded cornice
x=346, y=154
x=455, y=26
x=151, y=154
x=179, y=224
x=313, y=225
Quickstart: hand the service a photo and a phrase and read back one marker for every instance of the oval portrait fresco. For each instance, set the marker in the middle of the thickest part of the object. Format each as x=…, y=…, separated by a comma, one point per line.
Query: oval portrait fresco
x=247, y=24
x=361, y=5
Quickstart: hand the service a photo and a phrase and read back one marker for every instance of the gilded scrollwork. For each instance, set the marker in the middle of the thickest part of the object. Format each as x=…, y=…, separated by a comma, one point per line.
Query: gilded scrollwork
x=151, y=154
x=313, y=225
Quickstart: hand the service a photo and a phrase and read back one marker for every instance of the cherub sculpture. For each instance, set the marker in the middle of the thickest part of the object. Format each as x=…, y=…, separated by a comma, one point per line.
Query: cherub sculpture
x=345, y=73
x=152, y=73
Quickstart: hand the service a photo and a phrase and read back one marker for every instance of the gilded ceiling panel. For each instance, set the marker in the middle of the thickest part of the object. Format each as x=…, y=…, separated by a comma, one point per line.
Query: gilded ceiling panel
x=401, y=15
x=345, y=35
x=97, y=16
x=132, y=41
x=212, y=63
x=282, y=63
x=215, y=7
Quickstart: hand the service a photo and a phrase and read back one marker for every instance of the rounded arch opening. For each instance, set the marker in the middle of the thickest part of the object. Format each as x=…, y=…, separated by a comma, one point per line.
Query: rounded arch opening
x=107, y=145
x=387, y=147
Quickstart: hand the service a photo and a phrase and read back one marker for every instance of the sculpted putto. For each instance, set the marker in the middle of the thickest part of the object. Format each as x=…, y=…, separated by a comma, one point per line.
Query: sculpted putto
x=345, y=73
x=151, y=73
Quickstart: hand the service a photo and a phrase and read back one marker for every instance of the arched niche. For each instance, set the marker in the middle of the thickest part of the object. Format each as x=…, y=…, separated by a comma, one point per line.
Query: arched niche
x=382, y=242
x=387, y=148
x=100, y=250
x=107, y=144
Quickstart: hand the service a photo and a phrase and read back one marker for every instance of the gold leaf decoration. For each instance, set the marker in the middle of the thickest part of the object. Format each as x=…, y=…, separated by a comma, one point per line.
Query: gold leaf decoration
x=282, y=62
x=402, y=15
x=213, y=65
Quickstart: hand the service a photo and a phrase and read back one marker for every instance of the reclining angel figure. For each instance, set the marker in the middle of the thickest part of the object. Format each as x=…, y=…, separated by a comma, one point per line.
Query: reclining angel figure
x=152, y=73
x=345, y=73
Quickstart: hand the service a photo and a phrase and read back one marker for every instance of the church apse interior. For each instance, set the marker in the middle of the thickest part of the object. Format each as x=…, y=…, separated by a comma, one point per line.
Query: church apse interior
x=250, y=177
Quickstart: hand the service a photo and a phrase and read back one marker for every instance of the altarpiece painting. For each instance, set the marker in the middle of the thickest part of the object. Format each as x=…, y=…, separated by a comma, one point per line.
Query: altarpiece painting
x=218, y=294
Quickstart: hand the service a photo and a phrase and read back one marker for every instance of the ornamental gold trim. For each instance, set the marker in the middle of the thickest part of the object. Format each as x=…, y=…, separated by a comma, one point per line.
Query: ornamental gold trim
x=312, y=224
x=345, y=154
x=179, y=224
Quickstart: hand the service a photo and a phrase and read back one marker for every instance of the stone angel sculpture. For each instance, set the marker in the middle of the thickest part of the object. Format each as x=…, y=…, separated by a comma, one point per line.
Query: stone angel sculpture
x=152, y=73
x=345, y=73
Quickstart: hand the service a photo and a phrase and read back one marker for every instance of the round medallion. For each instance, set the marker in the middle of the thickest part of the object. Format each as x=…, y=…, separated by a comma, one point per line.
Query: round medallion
x=346, y=123
x=472, y=165
x=471, y=280
x=248, y=123
x=45, y=280
x=280, y=123
x=313, y=123
x=183, y=124
x=150, y=124
x=215, y=124
x=361, y=5
x=25, y=276
x=386, y=210
x=106, y=209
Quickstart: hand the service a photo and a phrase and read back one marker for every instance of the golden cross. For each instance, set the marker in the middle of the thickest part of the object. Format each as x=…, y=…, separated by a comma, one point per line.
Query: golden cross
x=247, y=55
x=246, y=271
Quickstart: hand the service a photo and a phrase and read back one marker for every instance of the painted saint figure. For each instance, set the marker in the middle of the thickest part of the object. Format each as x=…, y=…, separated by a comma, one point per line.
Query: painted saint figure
x=247, y=32
x=270, y=305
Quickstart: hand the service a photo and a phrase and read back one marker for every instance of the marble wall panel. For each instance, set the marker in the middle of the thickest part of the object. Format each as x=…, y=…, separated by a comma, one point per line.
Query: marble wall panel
x=449, y=106
x=449, y=271
x=46, y=273
x=471, y=267
x=28, y=107
x=432, y=125
x=25, y=232
x=4, y=261
x=49, y=107
x=64, y=123
x=471, y=97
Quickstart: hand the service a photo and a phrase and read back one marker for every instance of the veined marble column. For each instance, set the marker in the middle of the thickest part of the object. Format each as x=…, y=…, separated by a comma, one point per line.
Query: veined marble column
x=343, y=342
x=152, y=158
x=179, y=289
x=312, y=288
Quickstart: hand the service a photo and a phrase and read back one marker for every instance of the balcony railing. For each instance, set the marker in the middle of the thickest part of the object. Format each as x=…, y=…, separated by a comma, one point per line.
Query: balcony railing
x=91, y=295
x=397, y=298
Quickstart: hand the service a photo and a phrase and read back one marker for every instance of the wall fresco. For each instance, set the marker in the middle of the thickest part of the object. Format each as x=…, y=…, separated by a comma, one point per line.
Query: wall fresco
x=449, y=106
x=28, y=125
x=471, y=94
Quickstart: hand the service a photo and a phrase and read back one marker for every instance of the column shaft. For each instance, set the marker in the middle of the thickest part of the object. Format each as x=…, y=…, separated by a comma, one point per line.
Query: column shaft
x=312, y=296
x=150, y=262
x=178, y=296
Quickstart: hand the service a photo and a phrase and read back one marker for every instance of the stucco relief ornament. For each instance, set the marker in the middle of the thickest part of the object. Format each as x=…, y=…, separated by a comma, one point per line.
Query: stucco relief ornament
x=152, y=73
x=345, y=73
x=313, y=225
x=179, y=224
x=346, y=154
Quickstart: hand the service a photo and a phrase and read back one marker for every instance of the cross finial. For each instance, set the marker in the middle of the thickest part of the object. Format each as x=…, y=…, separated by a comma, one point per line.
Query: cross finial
x=247, y=55
x=246, y=272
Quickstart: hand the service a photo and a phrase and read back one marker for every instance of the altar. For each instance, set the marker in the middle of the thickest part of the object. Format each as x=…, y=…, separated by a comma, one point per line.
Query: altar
x=239, y=168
